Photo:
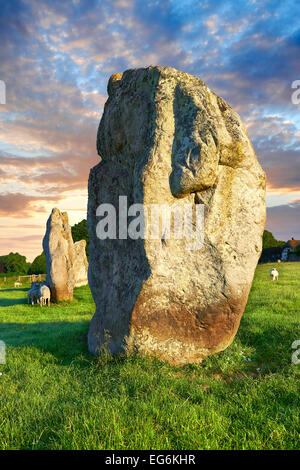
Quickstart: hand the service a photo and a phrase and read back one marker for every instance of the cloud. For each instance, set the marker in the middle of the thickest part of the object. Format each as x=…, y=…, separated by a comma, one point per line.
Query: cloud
x=18, y=205
x=21, y=226
x=50, y=177
x=283, y=221
x=24, y=238
x=56, y=58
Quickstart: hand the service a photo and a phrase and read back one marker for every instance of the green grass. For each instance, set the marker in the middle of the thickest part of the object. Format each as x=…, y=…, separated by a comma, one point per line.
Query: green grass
x=54, y=395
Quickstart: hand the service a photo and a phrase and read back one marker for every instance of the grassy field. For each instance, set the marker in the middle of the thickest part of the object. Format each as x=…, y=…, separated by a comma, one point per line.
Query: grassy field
x=54, y=395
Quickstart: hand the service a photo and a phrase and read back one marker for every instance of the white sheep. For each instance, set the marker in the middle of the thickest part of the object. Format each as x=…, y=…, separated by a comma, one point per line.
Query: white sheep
x=18, y=284
x=274, y=274
x=44, y=295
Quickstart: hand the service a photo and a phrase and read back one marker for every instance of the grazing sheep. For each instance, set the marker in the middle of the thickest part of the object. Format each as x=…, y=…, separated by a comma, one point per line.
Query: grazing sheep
x=33, y=293
x=44, y=295
x=274, y=274
x=18, y=284
x=32, y=296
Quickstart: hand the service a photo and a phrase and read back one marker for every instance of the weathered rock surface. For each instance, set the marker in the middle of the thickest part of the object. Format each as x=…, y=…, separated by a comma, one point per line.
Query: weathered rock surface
x=80, y=265
x=166, y=138
x=64, y=259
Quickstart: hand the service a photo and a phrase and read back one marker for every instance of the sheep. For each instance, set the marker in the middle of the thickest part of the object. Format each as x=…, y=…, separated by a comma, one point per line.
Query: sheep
x=33, y=293
x=29, y=296
x=44, y=295
x=18, y=284
x=32, y=297
x=274, y=274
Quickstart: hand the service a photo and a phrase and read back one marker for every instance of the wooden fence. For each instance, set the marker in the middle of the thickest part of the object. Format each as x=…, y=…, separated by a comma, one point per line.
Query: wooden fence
x=30, y=277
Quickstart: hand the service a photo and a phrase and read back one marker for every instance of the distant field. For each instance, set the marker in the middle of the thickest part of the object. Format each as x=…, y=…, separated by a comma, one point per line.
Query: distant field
x=54, y=395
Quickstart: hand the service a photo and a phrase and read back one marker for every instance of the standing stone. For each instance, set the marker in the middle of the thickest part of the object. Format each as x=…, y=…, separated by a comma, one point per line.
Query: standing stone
x=166, y=138
x=80, y=264
x=65, y=261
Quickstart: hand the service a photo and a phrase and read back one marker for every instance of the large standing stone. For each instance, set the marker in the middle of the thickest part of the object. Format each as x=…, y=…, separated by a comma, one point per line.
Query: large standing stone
x=166, y=138
x=65, y=261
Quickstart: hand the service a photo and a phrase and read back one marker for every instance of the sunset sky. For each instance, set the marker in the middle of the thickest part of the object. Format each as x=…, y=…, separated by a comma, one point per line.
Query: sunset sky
x=56, y=58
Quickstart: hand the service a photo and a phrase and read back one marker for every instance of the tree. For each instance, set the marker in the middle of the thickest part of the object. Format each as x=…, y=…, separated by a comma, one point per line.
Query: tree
x=38, y=266
x=297, y=250
x=80, y=232
x=15, y=263
x=269, y=241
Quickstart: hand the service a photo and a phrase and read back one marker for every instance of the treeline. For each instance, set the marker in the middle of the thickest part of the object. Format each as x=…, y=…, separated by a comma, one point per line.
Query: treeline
x=17, y=264
x=269, y=241
x=272, y=248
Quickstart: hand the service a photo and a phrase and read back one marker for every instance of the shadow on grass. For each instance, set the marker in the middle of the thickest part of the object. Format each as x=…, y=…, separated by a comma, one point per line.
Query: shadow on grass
x=10, y=302
x=14, y=290
x=271, y=342
x=64, y=340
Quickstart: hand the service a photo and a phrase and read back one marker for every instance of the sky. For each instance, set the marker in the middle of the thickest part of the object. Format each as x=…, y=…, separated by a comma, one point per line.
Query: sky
x=57, y=56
